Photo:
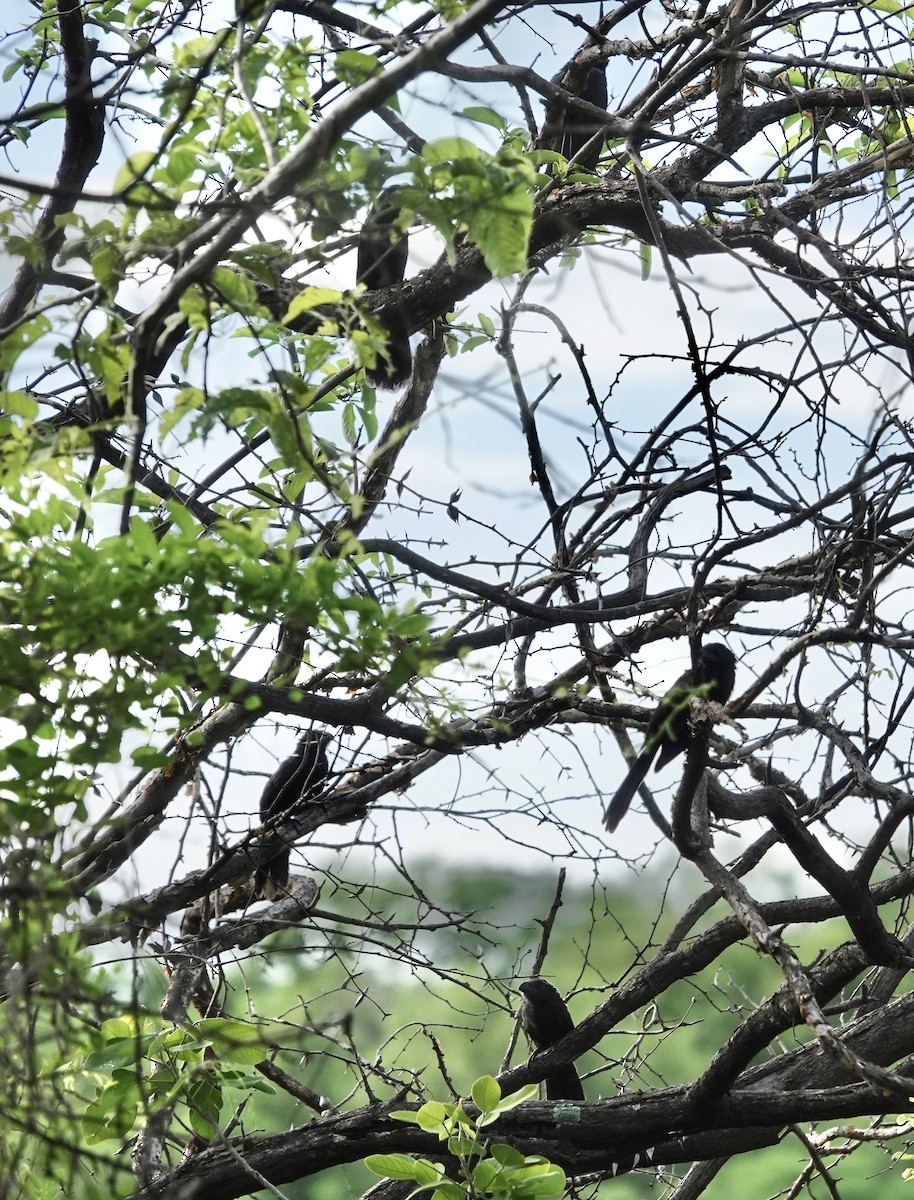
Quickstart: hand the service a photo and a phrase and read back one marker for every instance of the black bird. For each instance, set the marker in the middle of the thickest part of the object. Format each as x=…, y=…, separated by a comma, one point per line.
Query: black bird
x=578, y=129
x=668, y=729
x=381, y=262
x=297, y=780
x=545, y=1019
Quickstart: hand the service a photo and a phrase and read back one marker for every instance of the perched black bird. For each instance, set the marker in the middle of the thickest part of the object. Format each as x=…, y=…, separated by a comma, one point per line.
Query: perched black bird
x=545, y=1019
x=578, y=129
x=668, y=729
x=381, y=262
x=298, y=779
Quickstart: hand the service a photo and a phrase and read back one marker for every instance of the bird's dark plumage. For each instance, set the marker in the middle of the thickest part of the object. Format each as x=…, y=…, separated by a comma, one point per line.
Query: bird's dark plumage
x=297, y=780
x=578, y=129
x=545, y=1019
x=381, y=262
x=668, y=729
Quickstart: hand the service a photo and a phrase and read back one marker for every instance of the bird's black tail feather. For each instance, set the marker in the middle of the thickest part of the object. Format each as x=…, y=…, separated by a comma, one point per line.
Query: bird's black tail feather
x=394, y=370
x=272, y=878
x=564, y=1084
x=618, y=806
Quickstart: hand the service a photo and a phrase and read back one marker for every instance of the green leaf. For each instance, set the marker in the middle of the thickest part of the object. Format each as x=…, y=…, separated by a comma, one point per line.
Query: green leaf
x=20, y=404
x=310, y=298
x=486, y=1093
x=21, y=338
x=182, y=161
x=521, y=1096
x=462, y=1146
x=450, y=149
x=107, y=267
x=401, y=1166
x=350, y=432
x=119, y=1027
x=114, y=1111
x=645, y=251
x=449, y=1191
x=148, y=758
x=144, y=540
x=194, y=305
x=233, y=1041
x=407, y=1117
x=354, y=67
x=501, y=230
x=204, y=1102
x=432, y=1117
x=538, y=1179
x=133, y=169
x=118, y=1052
x=235, y=288
x=368, y=413
x=484, y=1174
x=484, y=116
x=506, y=1155
x=428, y=1172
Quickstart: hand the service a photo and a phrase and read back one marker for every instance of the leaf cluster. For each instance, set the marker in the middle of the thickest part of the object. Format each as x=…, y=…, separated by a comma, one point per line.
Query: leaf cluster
x=485, y=1170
